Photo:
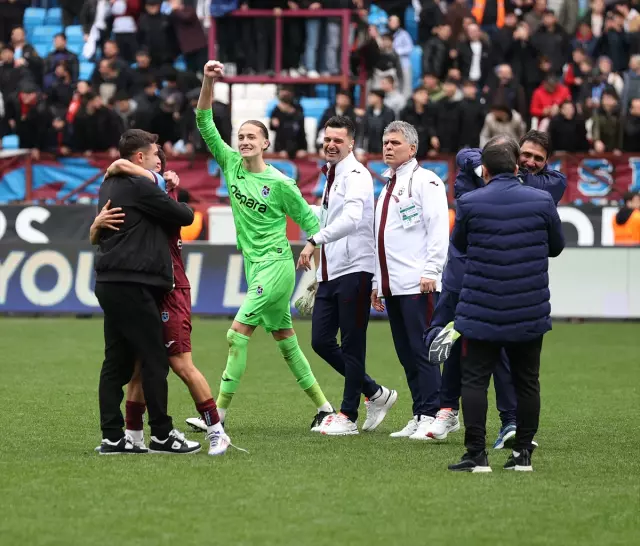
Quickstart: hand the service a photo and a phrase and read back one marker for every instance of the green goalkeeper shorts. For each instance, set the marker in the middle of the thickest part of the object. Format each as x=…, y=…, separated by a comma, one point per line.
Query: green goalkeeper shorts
x=270, y=288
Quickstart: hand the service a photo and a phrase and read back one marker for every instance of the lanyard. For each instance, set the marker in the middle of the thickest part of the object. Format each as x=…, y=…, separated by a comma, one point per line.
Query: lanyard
x=410, y=184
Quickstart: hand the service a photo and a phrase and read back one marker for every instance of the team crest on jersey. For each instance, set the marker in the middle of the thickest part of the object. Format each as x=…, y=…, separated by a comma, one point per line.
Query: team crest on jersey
x=259, y=290
x=165, y=316
x=265, y=191
x=401, y=191
x=179, y=244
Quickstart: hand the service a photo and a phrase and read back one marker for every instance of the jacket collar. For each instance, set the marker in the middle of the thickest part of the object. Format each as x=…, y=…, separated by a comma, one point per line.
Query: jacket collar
x=348, y=164
x=504, y=178
x=402, y=169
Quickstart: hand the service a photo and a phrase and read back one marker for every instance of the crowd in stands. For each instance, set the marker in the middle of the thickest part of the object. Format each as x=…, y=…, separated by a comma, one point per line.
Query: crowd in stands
x=569, y=67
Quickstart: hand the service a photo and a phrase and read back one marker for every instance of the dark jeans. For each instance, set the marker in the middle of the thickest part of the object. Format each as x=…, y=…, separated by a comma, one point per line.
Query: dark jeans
x=480, y=359
x=132, y=326
x=344, y=304
x=409, y=316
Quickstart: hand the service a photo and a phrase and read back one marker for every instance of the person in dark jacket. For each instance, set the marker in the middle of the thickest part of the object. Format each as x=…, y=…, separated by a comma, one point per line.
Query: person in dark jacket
x=473, y=113
x=155, y=34
x=567, y=131
x=342, y=107
x=552, y=41
x=631, y=139
x=60, y=53
x=375, y=119
x=189, y=35
x=133, y=272
x=435, y=58
x=26, y=55
x=287, y=120
x=513, y=312
x=419, y=113
x=534, y=172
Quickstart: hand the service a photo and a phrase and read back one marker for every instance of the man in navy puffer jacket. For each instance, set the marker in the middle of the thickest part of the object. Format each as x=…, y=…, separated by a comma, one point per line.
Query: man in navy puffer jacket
x=508, y=232
x=534, y=172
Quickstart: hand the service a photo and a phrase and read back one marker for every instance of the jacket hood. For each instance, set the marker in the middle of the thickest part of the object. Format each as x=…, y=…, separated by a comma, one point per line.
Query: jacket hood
x=623, y=215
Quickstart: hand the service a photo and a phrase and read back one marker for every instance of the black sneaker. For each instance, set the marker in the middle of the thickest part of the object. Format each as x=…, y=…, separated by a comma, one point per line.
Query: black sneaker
x=318, y=420
x=519, y=461
x=175, y=444
x=470, y=462
x=124, y=446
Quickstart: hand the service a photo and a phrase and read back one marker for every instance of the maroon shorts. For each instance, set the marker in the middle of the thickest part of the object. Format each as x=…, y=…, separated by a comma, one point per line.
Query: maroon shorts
x=176, y=321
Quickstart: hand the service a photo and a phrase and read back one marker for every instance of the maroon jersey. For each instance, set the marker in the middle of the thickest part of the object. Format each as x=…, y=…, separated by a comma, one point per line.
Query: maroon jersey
x=175, y=247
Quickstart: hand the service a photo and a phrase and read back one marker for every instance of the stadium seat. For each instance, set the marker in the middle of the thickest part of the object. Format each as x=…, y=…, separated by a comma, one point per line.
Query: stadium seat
x=10, y=142
x=416, y=66
x=34, y=17
x=270, y=106
x=43, y=48
x=314, y=107
x=74, y=31
x=54, y=16
x=410, y=24
x=317, y=191
x=179, y=64
x=215, y=170
x=86, y=70
x=75, y=47
x=288, y=168
x=377, y=167
x=46, y=32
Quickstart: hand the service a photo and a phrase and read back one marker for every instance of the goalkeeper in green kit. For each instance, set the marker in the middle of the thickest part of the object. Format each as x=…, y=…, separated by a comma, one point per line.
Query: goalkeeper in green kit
x=261, y=199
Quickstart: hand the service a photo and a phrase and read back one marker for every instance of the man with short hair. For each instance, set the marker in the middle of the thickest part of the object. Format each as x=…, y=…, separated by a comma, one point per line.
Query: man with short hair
x=513, y=262
x=344, y=278
x=412, y=236
x=133, y=272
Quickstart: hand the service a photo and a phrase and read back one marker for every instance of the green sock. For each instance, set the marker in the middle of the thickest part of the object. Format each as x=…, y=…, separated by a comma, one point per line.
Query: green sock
x=299, y=366
x=236, y=366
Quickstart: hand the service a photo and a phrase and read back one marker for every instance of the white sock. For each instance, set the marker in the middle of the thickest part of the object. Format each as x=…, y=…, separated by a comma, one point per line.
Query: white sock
x=215, y=428
x=136, y=435
x=326, y=407
x=221, y=413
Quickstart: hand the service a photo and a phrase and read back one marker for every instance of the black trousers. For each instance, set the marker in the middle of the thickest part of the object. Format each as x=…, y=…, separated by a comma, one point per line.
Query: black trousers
x=132, y=326
x=479, y=361
x=345, y=304
x=409, y=316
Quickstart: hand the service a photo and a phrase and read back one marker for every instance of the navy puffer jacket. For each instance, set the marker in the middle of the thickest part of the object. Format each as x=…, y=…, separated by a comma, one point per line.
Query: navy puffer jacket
x=508, y=232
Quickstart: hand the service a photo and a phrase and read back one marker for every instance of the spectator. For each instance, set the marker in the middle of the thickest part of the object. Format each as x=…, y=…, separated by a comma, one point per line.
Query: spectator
x=490, y=14
x=568, y=16
x=62, y=88
x=501, y=120
x=502, y=39
x=435, y=57
x=287, y=120
x=473, y=55
x=11, y=76
x=77, y=101
x=547, y=98
x=607, y=127
x=25, y=55
x=448, y=119
x=96, y=128
x=574, y=77
x=190, y=35
x=376, y=118
x=154, y=34
x=142, y=73
x=111, y=52
x=585, y=39
x=28, y=115
x=147, y=102
x=57, y=138
x=536, y=15
x=431, y=83
x=11, y=15
x=631, y=142
x=614, y=43
x=293, y=36
x=4, y=121
x=342, y=107
x=631, y=87
x=125, y=107
x=431, y=17
x=628, y=13
x=626, y=223
x=567, y=131
x=523, y=57
x=418, y=114
x=393, y=98
x=403, y=46
x=388, y=63
x=594, y=18
x=605, y=79
x=166, y=121
x=221, y=114
x=125, y=13
x=108, y=79
x=473, y=115
x=59, y=53
x=552, y=41
x=503, y=89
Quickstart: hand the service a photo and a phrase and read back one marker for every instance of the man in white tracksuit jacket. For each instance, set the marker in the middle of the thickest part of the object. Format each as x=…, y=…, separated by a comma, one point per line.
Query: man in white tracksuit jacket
x=412, y=238
x=344, y=280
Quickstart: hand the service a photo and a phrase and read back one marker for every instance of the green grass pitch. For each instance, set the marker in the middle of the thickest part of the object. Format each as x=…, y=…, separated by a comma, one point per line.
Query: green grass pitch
x=297, y=488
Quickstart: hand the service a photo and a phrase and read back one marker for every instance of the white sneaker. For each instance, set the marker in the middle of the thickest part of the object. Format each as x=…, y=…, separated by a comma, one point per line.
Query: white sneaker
x=197, y=424
x=219, y=442
x=410, y=428
x=377, y=408
x=446, y=421
x=313, y=74
x=423, y=428
x=339, y=425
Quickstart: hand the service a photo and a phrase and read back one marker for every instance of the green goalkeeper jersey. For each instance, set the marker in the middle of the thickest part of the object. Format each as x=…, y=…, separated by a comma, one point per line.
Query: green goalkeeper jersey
x=260, y=202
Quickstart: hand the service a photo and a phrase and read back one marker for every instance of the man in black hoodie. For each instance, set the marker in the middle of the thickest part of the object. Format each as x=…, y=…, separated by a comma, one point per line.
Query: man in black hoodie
x=133, y=272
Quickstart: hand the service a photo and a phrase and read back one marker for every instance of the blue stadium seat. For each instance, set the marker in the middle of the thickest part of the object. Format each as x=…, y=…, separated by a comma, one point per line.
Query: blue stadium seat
x=34, y=16
x=285, y=167
x=215, y=170
x=86, y=70
x=10, y=142
x=179, y=64
x=314, y=107
x=416, y=66
x=410, y=24
x=46, y=32
x=75, y=47
x=317, y=191
x=323, y=90
x=377, y=167
x=54, y=16
x=74, y=32
x=43, y=48
x=272, y=104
